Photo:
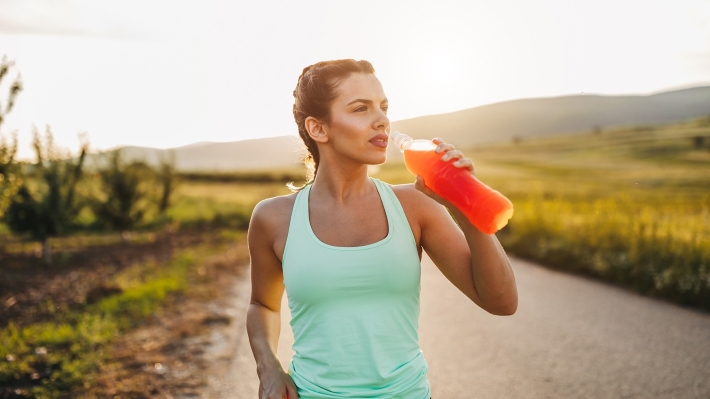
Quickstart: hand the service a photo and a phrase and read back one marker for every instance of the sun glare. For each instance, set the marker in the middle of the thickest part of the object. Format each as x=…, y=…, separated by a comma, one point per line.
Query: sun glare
x=441, y=68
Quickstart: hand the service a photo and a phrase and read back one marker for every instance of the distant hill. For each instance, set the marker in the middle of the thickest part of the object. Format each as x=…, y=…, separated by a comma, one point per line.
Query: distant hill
x=545, y=116
x=485, y=124
x=270, y=153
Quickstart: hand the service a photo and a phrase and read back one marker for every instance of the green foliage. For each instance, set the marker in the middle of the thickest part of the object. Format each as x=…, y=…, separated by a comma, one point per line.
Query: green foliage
x=8, y=149
x=657, y=249
x=50, y=359
x=199, y=211
x=10, y=179
x=15, y=88
x=124, y=187
x=245, y=177
x=46, y=359
x=50, y=209
x=141, y=301
x=167, y=179
x=7, y=155
x=220, y=204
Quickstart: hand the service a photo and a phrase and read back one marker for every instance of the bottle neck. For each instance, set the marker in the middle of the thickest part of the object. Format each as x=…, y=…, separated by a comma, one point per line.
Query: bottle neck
x=402, y=141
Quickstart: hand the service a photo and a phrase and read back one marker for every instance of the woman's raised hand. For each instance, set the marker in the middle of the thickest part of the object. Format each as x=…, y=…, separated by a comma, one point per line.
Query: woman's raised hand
x=277, y=384
x=450, y=152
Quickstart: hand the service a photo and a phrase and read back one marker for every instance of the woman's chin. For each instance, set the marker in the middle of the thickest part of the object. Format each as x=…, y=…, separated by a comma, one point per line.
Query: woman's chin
x=371, y=158
x=377, y=160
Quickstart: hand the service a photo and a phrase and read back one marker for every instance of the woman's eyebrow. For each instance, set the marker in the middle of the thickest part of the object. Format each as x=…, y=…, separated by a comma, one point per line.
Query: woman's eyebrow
x=362, y=100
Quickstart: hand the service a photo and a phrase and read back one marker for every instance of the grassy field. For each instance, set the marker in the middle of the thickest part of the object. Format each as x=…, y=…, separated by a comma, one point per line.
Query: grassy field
x=630, y=206
x=221, y=203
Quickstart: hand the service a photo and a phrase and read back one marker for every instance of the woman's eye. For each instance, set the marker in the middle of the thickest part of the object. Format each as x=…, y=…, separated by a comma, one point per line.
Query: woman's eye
x=384, y=109
x=360, y=109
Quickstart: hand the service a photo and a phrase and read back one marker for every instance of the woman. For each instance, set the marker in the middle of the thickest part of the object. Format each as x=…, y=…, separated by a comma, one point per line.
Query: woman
x=347, y=250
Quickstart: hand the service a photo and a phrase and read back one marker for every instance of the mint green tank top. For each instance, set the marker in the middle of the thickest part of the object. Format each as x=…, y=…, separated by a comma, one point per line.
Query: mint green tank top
x=355, y=310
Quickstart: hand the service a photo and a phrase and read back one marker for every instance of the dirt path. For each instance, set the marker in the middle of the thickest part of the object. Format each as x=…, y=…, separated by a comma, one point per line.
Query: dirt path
x=571, y=338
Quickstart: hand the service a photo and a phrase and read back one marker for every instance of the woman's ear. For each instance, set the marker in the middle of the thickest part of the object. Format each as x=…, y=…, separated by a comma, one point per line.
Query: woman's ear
x=316, y=129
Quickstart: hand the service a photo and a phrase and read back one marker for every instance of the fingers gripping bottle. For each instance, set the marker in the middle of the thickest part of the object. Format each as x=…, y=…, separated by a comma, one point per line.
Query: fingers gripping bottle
x=485, y=208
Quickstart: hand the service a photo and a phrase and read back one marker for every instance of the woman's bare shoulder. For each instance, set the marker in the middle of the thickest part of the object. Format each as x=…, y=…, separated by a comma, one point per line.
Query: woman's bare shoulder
x=417, y=205
x=268, y=228
x=408, y=195
x=274, y=212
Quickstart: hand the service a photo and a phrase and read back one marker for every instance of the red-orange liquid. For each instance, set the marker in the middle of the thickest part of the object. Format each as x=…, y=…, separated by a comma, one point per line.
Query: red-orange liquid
x=485, y=208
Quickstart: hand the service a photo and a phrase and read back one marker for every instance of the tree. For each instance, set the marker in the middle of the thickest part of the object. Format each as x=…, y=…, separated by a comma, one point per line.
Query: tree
x=15, y=88
x=9, y=178
x=121, y=182
x=8, y=167
x=167, y=181
x=7, y=155
x=50, y=209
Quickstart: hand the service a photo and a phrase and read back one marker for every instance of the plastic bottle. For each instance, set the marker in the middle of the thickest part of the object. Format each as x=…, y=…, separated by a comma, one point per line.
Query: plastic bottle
x=485, y=208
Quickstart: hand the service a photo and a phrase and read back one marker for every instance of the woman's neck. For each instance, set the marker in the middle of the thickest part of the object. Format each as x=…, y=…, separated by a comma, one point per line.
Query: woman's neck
x=341, y=182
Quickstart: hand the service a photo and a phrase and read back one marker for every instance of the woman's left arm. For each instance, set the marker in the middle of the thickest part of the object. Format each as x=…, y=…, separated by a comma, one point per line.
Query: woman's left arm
x=475, y=263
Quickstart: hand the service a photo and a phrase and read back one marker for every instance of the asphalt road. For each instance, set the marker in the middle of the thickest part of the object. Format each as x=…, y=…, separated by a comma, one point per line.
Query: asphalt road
x=571, y=337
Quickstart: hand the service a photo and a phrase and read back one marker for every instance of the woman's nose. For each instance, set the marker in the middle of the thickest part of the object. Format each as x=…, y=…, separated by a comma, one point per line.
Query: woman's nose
x=383, y=122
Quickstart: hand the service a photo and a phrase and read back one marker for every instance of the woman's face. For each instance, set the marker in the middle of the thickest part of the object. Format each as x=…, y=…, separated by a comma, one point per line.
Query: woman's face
x=359, y=128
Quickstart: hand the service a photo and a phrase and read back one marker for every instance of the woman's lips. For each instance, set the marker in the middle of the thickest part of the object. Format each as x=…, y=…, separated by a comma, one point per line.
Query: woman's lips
x=379, y=141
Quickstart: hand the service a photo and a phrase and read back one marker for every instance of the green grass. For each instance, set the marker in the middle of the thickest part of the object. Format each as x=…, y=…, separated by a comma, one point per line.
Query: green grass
x=223, y=204
x=296, y=175
x=50, y=359
x=657, y=249
x=630, y=206
x=18, y=245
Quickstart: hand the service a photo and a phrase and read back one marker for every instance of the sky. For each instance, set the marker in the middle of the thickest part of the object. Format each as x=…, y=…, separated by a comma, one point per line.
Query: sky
x=171, y=73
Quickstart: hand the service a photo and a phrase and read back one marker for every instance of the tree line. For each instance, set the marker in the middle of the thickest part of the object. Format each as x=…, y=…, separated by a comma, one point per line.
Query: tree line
x=48, y=197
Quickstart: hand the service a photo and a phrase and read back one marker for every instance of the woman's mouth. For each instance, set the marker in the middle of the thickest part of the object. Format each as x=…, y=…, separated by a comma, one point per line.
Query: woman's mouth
x=379, y=141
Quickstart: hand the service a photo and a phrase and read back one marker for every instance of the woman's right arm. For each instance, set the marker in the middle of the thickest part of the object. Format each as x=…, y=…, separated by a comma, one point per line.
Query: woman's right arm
x=264, y=313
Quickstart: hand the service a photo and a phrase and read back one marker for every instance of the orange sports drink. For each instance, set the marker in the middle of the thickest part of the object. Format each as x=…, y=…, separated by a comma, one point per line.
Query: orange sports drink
x=484, y=207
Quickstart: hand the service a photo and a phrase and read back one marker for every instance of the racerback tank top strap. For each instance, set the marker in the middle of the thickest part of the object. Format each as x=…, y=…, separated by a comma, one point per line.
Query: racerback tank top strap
x=355, y=310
